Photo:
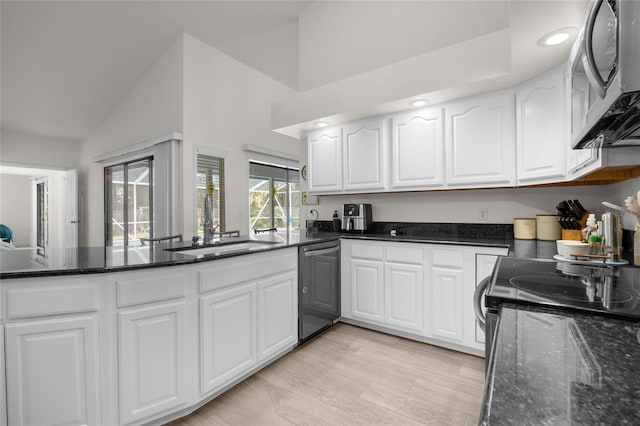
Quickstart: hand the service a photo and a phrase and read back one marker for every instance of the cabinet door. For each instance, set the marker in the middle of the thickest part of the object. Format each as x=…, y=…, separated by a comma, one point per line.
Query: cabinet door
x=277, y=314
x=325, y=160
x=52, y=371
x=364, y=155
x=227, y=335
x=3, y=401
x=404, y=305
x=418, y=149
x=541, y=134
x=367, y=290
x=447, y=303
x=152, y=360
x=480, y=141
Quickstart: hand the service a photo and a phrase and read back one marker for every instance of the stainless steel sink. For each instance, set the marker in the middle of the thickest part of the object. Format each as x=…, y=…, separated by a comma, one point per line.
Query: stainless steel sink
x=222, y=248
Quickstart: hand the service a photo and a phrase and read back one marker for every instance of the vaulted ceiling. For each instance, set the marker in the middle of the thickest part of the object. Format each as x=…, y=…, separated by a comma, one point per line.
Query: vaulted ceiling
x=66, y=64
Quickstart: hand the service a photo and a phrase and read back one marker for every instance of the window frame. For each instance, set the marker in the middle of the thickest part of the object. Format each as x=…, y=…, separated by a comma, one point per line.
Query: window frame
x=210, y=152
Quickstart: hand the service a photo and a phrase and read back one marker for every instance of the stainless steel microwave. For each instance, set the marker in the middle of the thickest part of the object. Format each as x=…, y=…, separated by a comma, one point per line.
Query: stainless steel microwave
x=605, y=76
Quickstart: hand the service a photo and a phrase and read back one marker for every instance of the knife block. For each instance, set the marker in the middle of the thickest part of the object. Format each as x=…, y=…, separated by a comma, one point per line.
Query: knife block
x=576, y=234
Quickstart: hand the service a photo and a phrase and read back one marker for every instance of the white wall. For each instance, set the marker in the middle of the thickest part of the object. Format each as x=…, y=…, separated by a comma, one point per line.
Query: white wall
x=226, y=105
x=15, y=207
x=153, y=108
x=35, y=150
x=617, y=194
x=462, y=206
x=341, y=39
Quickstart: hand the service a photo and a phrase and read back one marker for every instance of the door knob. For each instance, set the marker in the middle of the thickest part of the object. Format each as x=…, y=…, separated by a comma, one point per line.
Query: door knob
x=305, y=290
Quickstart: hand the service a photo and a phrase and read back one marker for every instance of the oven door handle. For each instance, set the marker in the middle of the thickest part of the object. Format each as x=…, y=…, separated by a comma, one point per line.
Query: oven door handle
x=477, y=302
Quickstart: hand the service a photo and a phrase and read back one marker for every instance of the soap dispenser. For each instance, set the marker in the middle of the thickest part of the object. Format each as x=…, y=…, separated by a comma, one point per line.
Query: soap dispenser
x=337, y=224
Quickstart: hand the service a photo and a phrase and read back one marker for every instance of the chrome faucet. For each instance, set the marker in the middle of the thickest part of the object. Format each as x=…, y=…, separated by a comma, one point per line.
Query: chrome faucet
x=209, y=228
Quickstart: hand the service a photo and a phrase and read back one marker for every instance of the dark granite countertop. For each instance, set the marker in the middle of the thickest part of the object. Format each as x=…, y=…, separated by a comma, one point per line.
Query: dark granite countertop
x=553, y=367
x=87, y=260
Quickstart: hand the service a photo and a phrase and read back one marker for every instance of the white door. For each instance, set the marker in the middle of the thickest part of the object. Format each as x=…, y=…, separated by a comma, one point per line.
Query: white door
x=447, y=303
x=277, y=314
x=152, y=360
x=53, y=372
x=227, y=335
x=367, y=290
x=418, y=149
x=541, y=129
x=364, y=155
x=325, y=160
x=480, y=141
x=71, y=208
x=404, y=303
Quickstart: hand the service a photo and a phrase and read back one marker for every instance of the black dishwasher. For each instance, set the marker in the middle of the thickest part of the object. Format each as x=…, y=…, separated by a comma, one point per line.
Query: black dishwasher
x=318, y=288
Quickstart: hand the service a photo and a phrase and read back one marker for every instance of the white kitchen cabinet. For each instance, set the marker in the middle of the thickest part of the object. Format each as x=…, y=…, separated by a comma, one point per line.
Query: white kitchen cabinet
x=541, y=129
x=404, y=286
x=447, y=303
x=480, y=141
x=52, y=371
x=227, y=335
x=367, y=290
x=151, y=345
x=417, y=149
x=277, y=313
x=364, y=145
x=3, y=401
x=324, y=157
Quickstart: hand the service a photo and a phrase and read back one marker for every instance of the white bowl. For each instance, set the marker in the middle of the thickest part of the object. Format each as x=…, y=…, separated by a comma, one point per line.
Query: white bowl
x=574, y=248
x=560, y=246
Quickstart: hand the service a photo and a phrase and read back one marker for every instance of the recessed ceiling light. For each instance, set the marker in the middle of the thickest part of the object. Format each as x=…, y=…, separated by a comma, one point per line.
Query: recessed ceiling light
x=321, y=124
x=419, y=103
x=557, y=37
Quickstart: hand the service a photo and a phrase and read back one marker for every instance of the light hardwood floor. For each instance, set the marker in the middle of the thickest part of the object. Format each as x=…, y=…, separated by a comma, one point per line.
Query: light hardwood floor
x=353, y=376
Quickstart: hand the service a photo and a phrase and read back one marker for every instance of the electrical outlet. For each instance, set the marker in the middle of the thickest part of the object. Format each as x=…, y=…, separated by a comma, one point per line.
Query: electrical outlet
x=483, y=213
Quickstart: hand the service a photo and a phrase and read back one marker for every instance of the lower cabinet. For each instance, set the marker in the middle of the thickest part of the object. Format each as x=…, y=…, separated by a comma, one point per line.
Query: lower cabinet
x=447, y=303
x=277, y=315
x=227, y=335
x=420, y=290
x=367, y=290
x=52, y=372
x=151, y=346
x=3, y=401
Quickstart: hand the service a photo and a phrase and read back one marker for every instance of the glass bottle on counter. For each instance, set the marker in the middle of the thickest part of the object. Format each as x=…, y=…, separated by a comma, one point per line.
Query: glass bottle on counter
x=337, y=223
x=636, y=246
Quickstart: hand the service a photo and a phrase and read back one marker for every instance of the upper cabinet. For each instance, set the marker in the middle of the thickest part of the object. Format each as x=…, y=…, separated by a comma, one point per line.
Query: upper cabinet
x=480, y=146
x=417, y=149
x=325, y=160
x=364, y=143
x=541, y=129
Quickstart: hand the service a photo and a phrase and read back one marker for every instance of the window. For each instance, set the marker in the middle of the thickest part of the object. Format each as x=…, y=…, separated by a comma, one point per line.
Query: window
x=274, y=197
x=210, y=169
x=128, y=202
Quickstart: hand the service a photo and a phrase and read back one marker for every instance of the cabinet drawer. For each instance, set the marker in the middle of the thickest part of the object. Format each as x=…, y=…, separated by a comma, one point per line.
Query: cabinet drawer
x=152, y=288
x=405, y=254
x=367, y=251
x=452, y=258
x=57, y=297
x=227, y=272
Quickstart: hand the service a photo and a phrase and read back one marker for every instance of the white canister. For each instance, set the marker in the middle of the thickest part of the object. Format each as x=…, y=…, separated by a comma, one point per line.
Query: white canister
x=547, y=227
x=524, y=228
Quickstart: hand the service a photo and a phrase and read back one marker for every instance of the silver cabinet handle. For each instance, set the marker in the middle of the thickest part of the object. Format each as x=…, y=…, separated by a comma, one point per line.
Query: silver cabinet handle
x=321, y=251
x=589, y=61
